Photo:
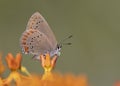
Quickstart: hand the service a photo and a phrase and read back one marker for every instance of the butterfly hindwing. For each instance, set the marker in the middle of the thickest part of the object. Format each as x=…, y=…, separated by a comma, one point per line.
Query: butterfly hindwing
x=35, y=42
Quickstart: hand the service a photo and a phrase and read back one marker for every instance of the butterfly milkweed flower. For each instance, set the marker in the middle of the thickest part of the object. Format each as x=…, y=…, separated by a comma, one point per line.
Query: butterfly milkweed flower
x=2, y=67
x=48, y=64
x=14, y=64
x=117, y=83
x=58, y=80
x=49, y=78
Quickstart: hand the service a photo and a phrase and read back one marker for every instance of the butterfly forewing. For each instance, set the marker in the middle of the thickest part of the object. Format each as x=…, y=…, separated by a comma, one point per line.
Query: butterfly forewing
x=37, y=22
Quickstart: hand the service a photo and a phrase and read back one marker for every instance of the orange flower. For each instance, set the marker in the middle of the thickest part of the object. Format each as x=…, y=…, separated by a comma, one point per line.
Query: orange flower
x=14, y=63
x=2, y=67
x=48, y=64
x=58, y=80
x=117, y=83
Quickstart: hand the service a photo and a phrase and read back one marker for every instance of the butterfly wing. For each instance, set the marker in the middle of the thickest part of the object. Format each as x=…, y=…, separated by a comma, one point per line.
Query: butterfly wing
x=35, y=42
x=37, y=22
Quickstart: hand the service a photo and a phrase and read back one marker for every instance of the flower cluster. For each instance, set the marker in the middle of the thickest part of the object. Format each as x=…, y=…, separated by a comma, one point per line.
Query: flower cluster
x=47, y=79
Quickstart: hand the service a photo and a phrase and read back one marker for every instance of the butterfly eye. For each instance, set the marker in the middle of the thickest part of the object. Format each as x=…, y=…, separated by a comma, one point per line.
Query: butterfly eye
x=59, y=46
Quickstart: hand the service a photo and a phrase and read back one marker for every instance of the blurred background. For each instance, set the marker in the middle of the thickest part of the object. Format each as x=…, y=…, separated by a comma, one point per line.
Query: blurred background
x=94, y=24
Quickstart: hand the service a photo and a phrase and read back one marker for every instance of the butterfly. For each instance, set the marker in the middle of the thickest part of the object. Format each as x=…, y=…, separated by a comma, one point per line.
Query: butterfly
x=38, y=38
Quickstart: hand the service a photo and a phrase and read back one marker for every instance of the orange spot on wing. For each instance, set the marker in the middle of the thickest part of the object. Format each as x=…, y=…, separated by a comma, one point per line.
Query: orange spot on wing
x=24, y=38
x=25, y=35
x=28, y=33
x=26, y=48
x=31, y=31
x=24, y=43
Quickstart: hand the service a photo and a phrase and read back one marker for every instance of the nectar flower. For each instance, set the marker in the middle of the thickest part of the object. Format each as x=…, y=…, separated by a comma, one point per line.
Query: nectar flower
x=2, y=67
x=14, y=64
x=48, y=64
